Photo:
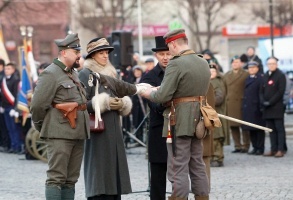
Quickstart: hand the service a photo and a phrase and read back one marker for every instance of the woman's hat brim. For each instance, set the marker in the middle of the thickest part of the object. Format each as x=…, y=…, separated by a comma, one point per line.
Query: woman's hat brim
x=100, y=49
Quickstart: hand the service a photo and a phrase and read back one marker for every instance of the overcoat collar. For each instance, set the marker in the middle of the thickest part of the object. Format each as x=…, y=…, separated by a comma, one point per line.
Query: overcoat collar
x=232, y=77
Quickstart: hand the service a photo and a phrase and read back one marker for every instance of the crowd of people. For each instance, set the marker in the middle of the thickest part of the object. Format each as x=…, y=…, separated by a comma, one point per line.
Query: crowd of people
x=245, y=92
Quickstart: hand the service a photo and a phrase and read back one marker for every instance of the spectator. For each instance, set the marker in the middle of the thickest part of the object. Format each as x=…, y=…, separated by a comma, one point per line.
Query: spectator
x=9, y=92
x=4, y=137
x=272, y=93
x=234, y=81
x=138, y=109
x=251, y=56
x=150, y=64
x=219, y=133
x=251, y=108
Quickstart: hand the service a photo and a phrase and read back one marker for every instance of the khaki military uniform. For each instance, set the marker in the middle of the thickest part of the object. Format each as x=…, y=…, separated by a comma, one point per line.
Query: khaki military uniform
x=235, y=89
x=65, y=144
x=186, y=75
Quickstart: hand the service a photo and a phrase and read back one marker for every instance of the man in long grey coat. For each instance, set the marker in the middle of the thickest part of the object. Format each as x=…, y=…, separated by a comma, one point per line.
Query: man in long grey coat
x=58, y=85
x=186, y=80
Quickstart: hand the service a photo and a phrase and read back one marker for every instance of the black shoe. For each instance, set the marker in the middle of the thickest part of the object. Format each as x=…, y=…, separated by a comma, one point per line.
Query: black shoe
x=258, y=153
x=236, y=151
x=253, y=152
x=10, y=151
x=217, y=164
x=244, y=150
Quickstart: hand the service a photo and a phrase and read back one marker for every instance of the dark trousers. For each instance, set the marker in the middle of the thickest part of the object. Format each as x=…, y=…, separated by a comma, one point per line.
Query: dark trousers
x=158, y=181
x=277, y=137
x=105, y=197
x=257, y=138
x=13, y=130
x=4, y=137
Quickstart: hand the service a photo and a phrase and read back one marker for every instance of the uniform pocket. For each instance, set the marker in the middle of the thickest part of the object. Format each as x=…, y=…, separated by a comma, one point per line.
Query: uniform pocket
x=68, y=91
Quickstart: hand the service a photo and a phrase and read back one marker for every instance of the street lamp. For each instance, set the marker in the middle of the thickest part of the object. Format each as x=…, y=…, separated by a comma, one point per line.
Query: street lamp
x=271, y=26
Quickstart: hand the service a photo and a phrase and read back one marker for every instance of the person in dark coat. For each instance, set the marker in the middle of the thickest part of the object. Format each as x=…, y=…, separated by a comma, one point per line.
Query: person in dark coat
x=157, y=149
x=272, y=92
x=4, y=137
x=138, y=109
x=251, y=111
x=251, y=56
x=9, y=92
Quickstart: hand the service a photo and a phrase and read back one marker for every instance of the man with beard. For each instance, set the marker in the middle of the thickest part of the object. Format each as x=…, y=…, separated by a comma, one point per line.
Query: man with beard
x=157, y=148
x=59, y=112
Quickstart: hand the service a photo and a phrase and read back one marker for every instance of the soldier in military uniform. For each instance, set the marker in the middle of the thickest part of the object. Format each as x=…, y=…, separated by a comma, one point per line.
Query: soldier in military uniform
x=157, y=148
x=57, y=86
x=186, y=81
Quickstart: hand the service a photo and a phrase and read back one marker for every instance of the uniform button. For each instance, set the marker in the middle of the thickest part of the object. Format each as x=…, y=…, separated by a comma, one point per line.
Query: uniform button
x=68, y=86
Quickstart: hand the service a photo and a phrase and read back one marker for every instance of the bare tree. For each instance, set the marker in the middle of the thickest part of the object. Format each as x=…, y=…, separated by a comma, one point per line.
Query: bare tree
x=104, y=16
x=209, y=11
x=282, y=13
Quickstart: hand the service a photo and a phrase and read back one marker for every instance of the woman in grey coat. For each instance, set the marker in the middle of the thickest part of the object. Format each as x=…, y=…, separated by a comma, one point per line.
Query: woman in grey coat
x=105, y=166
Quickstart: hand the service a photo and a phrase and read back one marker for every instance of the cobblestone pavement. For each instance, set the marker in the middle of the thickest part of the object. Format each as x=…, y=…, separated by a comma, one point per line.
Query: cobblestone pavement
x=243, y=177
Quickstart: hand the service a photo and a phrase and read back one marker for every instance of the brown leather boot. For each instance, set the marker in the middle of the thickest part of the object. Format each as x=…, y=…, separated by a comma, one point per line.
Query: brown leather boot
x=279, y=154
x=171, y=198
x=201, y=197
x=176, y=198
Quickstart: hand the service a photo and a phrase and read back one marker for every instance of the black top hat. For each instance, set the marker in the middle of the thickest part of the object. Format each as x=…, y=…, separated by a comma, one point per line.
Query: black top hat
x=98, y=44
x=160, y=44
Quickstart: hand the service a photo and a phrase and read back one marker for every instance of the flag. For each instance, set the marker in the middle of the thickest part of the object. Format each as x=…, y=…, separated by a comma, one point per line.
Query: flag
x=31, y=62
x=3, y=52
x=25, y=91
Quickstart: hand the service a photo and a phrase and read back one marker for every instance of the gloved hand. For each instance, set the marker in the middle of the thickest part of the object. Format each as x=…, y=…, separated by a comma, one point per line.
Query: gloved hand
x=142, y=87
x=12, y=113
x=16, y=114
x=1, y=109
x=116, y=103
x=266, y=103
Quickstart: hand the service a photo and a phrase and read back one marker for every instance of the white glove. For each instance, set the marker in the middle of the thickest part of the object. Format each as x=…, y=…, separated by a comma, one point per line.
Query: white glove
x=16, y=114
x=142, y=87
x=1, y=109
x=12, y=113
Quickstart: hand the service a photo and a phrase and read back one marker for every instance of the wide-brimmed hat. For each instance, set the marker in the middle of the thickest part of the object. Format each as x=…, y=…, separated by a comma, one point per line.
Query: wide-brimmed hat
x=98, y=44
x=160, y=44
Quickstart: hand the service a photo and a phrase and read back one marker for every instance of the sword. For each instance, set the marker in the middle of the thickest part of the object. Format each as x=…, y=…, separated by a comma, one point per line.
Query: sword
x=245, y=123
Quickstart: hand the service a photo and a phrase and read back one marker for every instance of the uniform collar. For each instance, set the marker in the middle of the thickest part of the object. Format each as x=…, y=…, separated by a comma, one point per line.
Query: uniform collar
x=61, y=65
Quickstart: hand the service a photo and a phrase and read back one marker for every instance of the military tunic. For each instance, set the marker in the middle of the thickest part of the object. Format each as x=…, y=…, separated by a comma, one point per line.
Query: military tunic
x=186, y=75
x=64, y=144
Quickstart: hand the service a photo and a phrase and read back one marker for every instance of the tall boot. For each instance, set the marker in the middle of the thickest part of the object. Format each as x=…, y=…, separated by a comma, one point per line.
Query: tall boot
x=201, y=197
x=67, y=193
x=53, y=193
x=176, y=198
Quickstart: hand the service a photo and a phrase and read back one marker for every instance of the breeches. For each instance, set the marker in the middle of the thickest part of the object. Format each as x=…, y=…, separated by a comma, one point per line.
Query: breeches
x=64, y=161
x=188, y=162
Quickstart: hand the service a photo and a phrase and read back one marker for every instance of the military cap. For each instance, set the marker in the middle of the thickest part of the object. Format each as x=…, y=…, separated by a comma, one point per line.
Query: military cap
x=149, y=60
x=137, y=67
x=252, y=64
x=235, y=58
x=70, y=42
x=174, y=35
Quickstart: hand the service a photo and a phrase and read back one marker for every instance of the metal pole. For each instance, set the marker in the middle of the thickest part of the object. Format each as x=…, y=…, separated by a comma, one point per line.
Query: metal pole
x=271, y=27
x=140, y=44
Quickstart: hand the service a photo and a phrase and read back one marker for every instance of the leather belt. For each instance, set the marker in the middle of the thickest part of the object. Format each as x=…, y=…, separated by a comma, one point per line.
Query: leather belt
x=185, y=99
x=81, y=107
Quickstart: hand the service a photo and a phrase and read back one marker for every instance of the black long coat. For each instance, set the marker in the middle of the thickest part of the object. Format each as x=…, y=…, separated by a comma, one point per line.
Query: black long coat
x=273, y=91
x=157, y=144
x=251, y=110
